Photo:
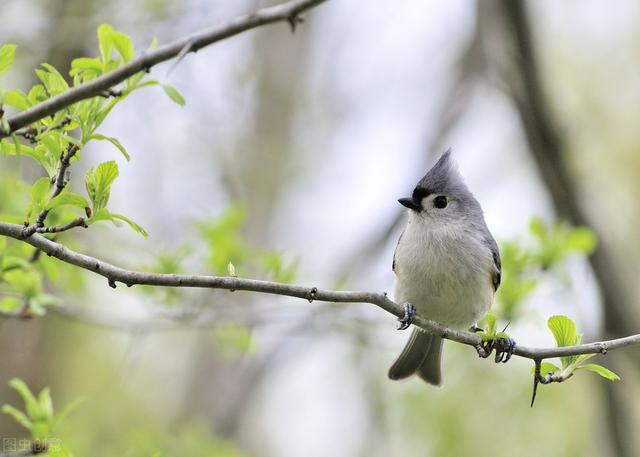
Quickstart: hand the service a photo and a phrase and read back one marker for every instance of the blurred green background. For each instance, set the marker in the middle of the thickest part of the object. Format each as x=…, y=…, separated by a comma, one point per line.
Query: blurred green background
x=287, y=161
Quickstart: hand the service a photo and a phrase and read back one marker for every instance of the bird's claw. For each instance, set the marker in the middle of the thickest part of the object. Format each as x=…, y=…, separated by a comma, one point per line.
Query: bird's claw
x=406, y=320
x=504, y=348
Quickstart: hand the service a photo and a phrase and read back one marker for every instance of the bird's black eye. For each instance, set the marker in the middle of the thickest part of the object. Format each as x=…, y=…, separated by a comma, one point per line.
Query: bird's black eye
x=440, y=201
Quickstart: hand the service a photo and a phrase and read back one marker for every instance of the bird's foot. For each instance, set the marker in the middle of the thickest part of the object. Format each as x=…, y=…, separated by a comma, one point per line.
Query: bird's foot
x=504, y=348
x=406, y=320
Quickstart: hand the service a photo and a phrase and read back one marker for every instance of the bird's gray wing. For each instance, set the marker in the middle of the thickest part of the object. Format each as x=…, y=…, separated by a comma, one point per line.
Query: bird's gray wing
x=496, y=274
x=393, y=264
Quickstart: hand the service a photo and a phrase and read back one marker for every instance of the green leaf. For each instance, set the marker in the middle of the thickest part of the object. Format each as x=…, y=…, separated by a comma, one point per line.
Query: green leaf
x=7, y=51
x=69, y=199
x=88, y=68
x=151, y=82
x=102, y=113
x=224, y=243
x=98, y=181
x=134, y=83
x=55, y=143
x=45, y=158
x=105, y=42
x=131, y=224
x=11, y=262
x=154, y=44
x=582, y=240
x=16, y=144
x=583, y=358
x=31, y=404
x=69, y=139
x=55, y=77
x=11, y=148
x=40, y=302
x=10, y=304
x=52, y=79
x=602, y=371
x=489, y=323
x=102, y=214
x=37, y=94
x=546, y=368
x=27, y=282
x=40, y=193
x=277, y=267
x=66, y=410
x=113, y=141
x=18, y=416
x=538, y=227
x=123, y=45
x=564, y=330
x=46, y=404
x=17, y=99
x=173, y=94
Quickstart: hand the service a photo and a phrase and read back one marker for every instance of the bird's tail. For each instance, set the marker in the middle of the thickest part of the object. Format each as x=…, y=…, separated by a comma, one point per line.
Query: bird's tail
x=420, y=356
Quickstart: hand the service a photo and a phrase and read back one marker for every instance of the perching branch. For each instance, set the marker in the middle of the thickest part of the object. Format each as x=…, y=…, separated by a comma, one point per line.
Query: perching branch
x=130, y=278
x=289, y=12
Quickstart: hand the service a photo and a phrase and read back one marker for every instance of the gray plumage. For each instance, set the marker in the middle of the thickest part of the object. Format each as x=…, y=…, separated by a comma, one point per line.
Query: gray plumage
x=447, y=265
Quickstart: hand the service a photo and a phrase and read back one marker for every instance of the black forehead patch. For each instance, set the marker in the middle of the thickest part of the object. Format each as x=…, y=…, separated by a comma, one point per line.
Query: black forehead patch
x=419, y=193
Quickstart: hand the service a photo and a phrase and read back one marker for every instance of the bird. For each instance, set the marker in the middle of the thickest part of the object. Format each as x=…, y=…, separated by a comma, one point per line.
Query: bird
x=447, y=267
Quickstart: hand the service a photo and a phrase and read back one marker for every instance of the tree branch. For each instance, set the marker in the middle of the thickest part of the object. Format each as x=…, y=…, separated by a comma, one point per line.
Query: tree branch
x=116, y=274
x=289, y=12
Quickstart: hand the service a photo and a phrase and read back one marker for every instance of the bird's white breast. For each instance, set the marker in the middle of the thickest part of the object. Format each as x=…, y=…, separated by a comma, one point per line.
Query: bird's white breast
x=445, y=272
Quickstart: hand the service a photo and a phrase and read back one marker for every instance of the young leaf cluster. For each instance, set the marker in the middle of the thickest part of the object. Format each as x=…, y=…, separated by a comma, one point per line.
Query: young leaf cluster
x=228, y=250
x=38, y=416
x=21, y=284
x=565, y=333
x=489, y=328
x=56, y=142
x=524, y=265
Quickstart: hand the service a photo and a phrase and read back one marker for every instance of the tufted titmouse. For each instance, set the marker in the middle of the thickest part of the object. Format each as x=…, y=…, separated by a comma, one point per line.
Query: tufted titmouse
x=447, y=266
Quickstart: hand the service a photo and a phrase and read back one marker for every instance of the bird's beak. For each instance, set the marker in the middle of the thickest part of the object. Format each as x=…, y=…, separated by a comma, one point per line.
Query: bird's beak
x=410, y=203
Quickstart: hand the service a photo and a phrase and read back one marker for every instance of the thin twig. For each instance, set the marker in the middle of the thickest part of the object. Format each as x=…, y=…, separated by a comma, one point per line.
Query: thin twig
x=288, y=12
x=128, y=277
x=79, y=222
x=59, y=183
x=31, y=133
x=536, y=379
